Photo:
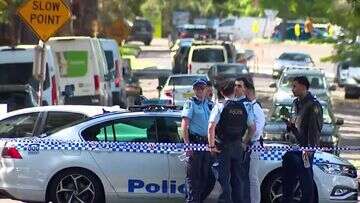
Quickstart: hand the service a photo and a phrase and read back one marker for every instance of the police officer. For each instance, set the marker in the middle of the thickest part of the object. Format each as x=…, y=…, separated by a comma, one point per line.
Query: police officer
x=256, y=141
x=242, y=85
x=210, y=180
x=195, y=116
x=227, y=137
x=306, y=126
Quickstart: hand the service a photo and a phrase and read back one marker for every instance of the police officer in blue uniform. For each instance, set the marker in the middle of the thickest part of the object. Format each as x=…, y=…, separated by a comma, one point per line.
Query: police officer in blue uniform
x=195, y=117
x=228, y=140
x=306, y=126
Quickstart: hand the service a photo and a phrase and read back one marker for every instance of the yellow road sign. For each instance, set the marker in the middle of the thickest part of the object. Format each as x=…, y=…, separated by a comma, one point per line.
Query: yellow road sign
x=297, y=30
x=255, y=27
x=44, y=17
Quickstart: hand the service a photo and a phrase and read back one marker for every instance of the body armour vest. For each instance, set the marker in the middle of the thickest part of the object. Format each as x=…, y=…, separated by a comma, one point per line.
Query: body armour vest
x=233, y=122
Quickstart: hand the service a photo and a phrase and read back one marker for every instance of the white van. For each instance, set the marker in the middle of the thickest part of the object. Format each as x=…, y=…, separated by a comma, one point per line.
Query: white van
x=16, y=68
x=114, y=63
x=84, y=76
x=202, y=57
x=235, y=28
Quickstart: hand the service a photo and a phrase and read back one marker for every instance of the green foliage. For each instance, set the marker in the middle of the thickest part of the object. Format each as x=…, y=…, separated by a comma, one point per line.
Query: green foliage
x=347, y=15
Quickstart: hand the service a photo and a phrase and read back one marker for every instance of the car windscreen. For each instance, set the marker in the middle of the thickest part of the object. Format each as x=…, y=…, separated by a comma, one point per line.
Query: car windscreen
x=9, y=75
x=142, y=25
x=230, y=70
x=280, y=110
x=184, y=81
x=208, y=55
x=109, y=59
x=293, y=57
x=316, y=81
x=16, y=100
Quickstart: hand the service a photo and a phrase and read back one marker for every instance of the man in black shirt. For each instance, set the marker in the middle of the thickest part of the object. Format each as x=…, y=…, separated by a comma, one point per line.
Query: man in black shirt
x=305, y=125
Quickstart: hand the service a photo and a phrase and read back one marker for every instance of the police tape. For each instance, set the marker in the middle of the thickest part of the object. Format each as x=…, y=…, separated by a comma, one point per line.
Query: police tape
x=271, y=153
x=151, y=147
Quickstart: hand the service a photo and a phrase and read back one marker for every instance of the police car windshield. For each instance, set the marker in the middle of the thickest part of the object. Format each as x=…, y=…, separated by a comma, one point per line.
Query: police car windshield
x=293, y=57
x=279, y=110
x=184, y=81
x=316, y=81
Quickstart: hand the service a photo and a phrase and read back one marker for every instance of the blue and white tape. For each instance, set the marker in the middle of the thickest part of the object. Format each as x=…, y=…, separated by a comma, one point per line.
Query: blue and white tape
x=273, y=153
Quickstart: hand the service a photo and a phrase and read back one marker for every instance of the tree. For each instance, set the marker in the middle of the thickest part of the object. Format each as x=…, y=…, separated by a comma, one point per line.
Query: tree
x=347, y=15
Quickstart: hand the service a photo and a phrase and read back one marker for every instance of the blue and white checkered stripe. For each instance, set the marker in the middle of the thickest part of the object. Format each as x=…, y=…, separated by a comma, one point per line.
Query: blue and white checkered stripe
x=271, y=153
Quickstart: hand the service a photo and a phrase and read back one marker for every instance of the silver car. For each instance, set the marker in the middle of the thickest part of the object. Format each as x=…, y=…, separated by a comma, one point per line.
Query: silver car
x=53, y=168
x=288, y=59
x=319, y=85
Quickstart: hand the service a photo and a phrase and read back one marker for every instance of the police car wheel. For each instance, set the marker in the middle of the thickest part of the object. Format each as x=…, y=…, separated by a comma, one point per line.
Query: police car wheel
x=272, y=189
x=75, y=185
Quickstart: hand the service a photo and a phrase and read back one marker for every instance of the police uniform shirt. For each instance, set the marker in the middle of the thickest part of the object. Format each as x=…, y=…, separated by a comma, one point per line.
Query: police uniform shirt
x=198, y=112
x=216, y=112
x=259, y=120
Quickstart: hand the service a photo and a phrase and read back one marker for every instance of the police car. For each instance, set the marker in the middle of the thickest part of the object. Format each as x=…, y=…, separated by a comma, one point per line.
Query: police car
x=56, y=172
x=37, y=120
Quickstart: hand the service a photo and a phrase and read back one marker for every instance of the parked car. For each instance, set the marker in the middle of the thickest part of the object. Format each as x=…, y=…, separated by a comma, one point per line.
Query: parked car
x=348, y=76
x=140, y=175
x=18, y=96
x=202, y=55
x=230, y=50
x=178, y=88
x=32, y=122
x=190, y=31
x=318, y=84
x=289, y=59
x=178, y=53
x=84, y=75
x=275, y=128
x=221, y=72
x=290, y=32
x=114, y=64
x=16, y=68
x=141, y=30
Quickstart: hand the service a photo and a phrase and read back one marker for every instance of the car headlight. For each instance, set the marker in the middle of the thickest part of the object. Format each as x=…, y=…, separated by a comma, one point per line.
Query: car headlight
x=338, y=169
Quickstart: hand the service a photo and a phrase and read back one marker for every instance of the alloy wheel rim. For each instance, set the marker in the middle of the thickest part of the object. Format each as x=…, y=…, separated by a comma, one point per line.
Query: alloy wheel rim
x=276, y=193
x=75, y=188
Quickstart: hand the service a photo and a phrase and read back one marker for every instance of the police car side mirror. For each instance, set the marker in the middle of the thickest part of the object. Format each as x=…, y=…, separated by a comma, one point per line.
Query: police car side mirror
x=272, y=85
x=339, y=121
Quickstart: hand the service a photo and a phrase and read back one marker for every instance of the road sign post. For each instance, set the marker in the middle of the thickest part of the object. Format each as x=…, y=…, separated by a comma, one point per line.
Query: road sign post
x=45, y=18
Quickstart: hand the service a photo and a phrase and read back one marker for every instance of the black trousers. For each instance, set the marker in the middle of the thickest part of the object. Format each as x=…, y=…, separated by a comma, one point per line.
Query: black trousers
x=228, y=169
x=199, y=177
x=294, y=171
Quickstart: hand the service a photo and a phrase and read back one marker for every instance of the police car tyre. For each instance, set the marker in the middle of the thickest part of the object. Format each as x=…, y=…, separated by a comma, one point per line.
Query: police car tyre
x=271, y=190
x=75, y=185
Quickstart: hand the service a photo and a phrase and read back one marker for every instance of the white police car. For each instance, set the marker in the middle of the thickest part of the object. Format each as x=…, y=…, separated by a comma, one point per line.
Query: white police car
x=37, y=120
x=38, y=169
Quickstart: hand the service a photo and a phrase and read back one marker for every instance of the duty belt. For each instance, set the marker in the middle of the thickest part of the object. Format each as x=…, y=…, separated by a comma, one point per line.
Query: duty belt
x=198, y=139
